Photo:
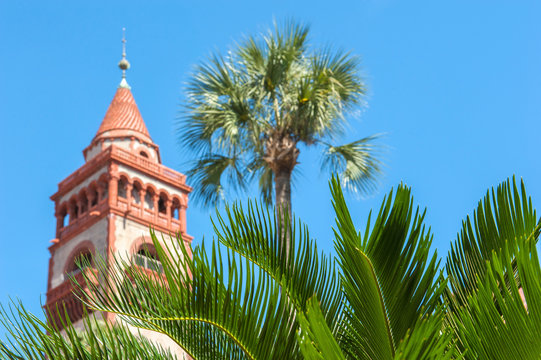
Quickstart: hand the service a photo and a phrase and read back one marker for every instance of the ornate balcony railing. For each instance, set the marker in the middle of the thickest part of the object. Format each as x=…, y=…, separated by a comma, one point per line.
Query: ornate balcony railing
x=63, y=299
x=130, y=159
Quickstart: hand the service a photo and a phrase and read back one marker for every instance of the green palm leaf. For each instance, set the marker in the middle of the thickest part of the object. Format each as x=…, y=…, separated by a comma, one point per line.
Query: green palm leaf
x=316, y=339
x=391, y=284
x=503, y=217
x=257, y=234
x=356, y=163
x=504, y=322
x=236, y=308
x=208, y=174
x=31, y=338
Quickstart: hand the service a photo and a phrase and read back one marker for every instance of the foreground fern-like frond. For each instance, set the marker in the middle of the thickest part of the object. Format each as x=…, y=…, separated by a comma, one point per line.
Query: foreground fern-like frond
x=391, y=284
x=252, y=295
x=32, y=338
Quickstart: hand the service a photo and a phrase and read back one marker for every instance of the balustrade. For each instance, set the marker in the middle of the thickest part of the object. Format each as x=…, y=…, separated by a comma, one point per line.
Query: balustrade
x=63, y=299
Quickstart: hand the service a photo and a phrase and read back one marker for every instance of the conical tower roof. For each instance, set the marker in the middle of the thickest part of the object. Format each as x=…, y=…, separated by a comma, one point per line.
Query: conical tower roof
x=123, y=118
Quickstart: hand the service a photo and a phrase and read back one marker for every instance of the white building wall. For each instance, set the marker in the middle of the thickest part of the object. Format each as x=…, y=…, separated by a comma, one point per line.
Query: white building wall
x=92, y=152
x=160, y=339
x=127, y=232
x=133, y=146
x=97, y=234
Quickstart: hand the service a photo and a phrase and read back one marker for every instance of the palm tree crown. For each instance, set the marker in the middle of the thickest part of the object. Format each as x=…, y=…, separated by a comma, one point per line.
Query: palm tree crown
x=249, y=110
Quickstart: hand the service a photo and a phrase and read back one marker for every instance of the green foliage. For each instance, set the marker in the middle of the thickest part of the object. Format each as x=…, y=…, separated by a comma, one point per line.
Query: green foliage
x=503, y=217
x=383, y=297
x=242, y=295
x=491, y=260
x=509, y=324
x=391, y=284
x=315, y=338
x=247, y=111
x=32, y=338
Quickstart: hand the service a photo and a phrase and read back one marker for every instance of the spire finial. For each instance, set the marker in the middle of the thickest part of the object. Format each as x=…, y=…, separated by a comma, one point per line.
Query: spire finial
x=124, y=64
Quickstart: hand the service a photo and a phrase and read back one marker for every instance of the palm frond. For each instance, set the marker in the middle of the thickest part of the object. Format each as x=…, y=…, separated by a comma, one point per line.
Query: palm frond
x=316, y=340
x=236, y=309
x=500, y=322
x=390, y=281
x=503, y=216
x=428, y=340
x=32, y=338
x=209, y=173
x=357, y=163
x=258, y=234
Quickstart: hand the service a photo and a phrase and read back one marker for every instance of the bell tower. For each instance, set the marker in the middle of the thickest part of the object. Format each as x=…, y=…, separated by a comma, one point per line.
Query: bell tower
x=107, y=205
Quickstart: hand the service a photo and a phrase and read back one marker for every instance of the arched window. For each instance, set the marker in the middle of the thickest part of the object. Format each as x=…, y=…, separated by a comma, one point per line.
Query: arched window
x=122, y=187
x=135, y=193
x=161, y=204
x=104, y=190
x=82, y=203
x=75, y=209
x=146, y=257
x=93, y=195
x=81, y=261
x=149, y=201
x=143, y=154
x=175, y=209
x=64, y=217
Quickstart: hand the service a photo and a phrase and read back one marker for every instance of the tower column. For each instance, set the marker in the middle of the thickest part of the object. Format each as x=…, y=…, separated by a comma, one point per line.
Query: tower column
x=142, y=194
x=182, y=218
x=113, y=189
x=80, y=206
x=168, y=204
x=155, y=199
x=129, y=187
x=59, y=222
x=94, y=195
x=90, y=197
x=100, y=192
x=71, y=211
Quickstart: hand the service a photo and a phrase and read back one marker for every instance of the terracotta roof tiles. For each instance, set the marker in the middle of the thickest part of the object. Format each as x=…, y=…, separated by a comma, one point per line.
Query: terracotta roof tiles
x=123, y=118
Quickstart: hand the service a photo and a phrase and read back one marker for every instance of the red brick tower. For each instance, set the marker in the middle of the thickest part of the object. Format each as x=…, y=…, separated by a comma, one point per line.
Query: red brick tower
x=107, y=205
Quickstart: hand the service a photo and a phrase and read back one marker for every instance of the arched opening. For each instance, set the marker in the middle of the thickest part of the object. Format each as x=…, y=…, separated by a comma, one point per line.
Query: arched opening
x=147, y=258
x=143, y=154
x=82, y=203
x=175, y=209
x=104, y=190
x=63, y=215
x=135, y=193
x=80, y=262
x=149, y=201
x=122, y=185
x=74, y=210
x=162, y=204
x=92, y=194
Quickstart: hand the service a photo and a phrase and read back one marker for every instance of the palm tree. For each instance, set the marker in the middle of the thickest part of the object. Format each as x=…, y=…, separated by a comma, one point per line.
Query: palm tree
x=248, y=112
x=384, y=298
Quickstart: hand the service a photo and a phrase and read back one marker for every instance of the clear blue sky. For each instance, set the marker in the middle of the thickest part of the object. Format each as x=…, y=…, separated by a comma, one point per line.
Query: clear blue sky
x=455, y=85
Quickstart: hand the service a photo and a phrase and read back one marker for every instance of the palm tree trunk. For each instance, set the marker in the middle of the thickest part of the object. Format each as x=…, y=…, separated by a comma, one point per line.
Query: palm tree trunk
x=282, y=188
